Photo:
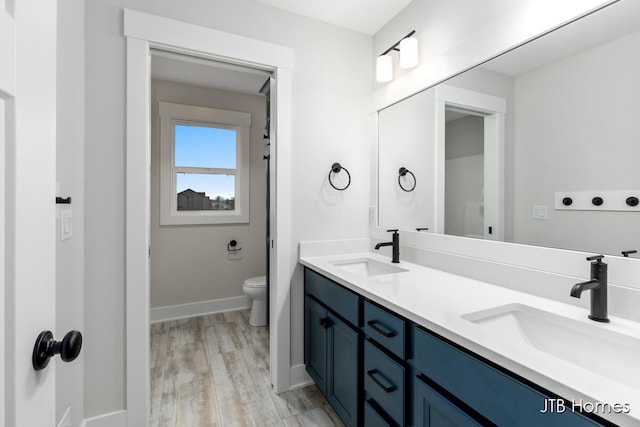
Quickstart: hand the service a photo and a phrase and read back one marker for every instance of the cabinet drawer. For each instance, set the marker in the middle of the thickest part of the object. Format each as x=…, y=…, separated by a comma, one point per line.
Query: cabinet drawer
x=339, y=299
x=494, y=394
x=385, y=328
x=372, y=418
x=384, y=381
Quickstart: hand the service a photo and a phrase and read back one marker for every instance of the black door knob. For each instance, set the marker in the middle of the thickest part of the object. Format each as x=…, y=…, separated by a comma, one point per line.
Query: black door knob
x=46, y=347
x=632, y=201
x=597, y=201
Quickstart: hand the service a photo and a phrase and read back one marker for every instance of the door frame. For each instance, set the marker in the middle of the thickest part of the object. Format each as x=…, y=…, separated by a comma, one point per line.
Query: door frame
x=145, y=31
x=494, y=109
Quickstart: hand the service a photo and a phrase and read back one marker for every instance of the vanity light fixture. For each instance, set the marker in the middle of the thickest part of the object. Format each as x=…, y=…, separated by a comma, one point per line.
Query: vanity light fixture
x=408, y=48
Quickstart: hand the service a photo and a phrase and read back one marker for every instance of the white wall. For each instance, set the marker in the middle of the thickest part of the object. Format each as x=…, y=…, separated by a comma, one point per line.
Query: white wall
x=191, y=263
x=331, y=88
x=552, y=153
x=70, y=176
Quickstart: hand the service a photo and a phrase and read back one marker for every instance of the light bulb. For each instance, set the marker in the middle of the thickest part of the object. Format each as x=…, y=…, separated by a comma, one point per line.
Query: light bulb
x=384, y=68
x=409, y=52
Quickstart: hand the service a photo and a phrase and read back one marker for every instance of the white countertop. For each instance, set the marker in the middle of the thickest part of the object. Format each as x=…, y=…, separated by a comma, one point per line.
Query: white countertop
x=437, y=300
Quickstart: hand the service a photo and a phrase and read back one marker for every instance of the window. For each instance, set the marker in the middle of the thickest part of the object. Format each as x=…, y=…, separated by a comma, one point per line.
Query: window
x=204, y=170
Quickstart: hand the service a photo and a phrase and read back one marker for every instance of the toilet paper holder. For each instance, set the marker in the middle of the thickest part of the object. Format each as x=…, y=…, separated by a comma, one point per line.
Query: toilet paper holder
x=231, y=246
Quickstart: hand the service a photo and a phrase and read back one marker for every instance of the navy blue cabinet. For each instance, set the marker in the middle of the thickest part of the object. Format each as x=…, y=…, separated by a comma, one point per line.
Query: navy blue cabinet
x=342, y=370
x=405, y=375
x=332, y=345
x=431, y=409
x=315, y=342
x=484, y=392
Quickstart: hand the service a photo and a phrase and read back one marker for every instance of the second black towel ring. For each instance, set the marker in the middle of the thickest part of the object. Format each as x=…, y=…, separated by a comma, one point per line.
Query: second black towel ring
x=337, y=168
x=403, y=172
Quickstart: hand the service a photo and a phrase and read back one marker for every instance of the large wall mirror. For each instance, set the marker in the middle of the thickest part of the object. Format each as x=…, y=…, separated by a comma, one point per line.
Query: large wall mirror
x=539, y=146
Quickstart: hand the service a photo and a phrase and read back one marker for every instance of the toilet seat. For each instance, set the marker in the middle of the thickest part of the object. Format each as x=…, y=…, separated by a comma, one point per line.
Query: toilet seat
x=256, y=282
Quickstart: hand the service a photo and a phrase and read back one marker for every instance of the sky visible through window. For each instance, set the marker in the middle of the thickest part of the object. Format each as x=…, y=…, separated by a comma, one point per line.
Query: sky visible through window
x=206, y=147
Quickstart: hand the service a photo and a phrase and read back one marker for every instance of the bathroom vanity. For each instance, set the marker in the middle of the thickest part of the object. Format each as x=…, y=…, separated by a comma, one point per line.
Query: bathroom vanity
x=403, y=344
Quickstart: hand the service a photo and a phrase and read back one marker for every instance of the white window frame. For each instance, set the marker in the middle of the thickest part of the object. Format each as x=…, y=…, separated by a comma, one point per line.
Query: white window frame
x=172, y=114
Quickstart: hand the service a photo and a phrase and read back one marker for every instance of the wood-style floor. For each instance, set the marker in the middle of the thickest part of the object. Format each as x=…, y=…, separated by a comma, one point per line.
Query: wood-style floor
x=214, y=371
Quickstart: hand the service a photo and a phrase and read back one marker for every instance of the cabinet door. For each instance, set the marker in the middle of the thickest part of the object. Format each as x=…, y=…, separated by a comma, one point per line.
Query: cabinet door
x=431, y=409
x=315, y=342
x=343, y=357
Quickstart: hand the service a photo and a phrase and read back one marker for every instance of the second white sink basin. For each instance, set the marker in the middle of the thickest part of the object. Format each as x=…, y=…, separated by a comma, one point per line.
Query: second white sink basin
x=367, y=267
x=590, y=346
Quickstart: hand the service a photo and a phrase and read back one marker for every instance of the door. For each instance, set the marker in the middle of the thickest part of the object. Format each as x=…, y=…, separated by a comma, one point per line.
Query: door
x=266, y=91
x=315, y=343
x=27, y=206
x=342, y=369
x=431, y=409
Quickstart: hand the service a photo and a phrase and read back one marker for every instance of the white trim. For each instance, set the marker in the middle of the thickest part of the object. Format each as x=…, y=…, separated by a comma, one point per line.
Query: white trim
x=7, y=50
x=201, y=308
x=138, y=167
x=184, y=37
x=143, y=32
x=113, y=419
x=494, y=124
x=299, y=377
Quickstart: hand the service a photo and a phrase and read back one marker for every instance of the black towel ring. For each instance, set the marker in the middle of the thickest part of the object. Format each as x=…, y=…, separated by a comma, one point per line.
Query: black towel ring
x=403, y=172
x=337, y=168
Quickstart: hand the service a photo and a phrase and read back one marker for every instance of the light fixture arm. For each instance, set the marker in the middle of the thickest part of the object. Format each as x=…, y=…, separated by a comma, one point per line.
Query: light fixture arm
x=395, y=46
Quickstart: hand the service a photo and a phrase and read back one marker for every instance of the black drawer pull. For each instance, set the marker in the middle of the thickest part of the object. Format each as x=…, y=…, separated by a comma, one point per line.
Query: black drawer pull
x=387, y=388
x=325, y=322
x=378, y=329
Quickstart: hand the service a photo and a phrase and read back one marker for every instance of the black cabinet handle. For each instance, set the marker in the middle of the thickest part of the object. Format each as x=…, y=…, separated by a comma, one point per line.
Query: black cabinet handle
x=386, y=334
x=46, y=347
x=387, y=388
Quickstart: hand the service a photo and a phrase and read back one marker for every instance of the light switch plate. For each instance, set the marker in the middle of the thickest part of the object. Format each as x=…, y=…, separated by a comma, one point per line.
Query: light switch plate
x=66, y=224
x=540, y=212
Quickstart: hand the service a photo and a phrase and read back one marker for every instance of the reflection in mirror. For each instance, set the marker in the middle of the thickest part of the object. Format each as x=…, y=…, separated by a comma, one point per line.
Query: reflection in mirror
x=570, y=128
x=464, y=173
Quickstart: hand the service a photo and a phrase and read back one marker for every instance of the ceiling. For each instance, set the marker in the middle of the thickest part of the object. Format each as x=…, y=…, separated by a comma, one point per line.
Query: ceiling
x=345, y=13
x=207, y=73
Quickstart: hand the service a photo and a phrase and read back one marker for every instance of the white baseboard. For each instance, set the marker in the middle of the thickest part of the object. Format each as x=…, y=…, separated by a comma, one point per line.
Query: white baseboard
x=113, y=419
x=299, y=377
x=183, y=311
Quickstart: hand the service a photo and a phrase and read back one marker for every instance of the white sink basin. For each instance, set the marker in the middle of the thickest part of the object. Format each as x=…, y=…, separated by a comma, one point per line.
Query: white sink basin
x=590, y=346
x=367, y=267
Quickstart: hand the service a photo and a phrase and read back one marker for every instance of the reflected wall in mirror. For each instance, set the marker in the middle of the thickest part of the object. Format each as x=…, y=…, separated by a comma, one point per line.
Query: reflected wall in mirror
x=569, y=126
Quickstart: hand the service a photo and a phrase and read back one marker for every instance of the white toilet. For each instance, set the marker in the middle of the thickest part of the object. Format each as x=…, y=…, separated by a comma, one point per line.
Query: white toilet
x=256, y=288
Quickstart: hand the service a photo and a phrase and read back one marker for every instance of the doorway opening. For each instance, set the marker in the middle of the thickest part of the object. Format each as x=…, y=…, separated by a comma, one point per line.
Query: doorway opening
x=144, y=32
x=209, y=200
x=469, y=187
x=464, y=173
